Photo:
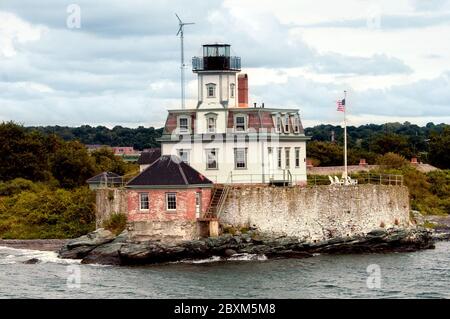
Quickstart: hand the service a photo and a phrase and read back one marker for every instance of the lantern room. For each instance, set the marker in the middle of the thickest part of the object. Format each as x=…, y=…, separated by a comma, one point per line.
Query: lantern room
x=216, y=57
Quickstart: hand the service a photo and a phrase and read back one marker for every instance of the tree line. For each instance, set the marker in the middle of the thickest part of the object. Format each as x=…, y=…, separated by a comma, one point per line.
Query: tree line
x=140, y=138
x=430, y=143
x=43, y=192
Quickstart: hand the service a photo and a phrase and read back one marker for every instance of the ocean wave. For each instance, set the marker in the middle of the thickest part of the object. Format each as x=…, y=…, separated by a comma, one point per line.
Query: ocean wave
x=236, y=257
x=10, y=255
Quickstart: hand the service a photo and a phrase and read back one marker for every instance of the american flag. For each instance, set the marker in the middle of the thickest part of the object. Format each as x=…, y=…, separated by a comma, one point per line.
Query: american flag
x=341, y=105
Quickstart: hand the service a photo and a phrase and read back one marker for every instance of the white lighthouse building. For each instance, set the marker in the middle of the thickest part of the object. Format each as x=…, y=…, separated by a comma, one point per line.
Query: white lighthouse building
x=229, y=141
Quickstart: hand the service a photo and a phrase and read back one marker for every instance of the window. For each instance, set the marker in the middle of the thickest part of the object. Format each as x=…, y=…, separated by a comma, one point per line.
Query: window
x=239, y=123
x=184, y=155
x=240, y=158
x=279, y=157
x=286, y=123
x=210, y=90
x=211, y=159
x=171, y=201
x=211, y=124
x=296, y=124
x=183, y=124
x=232, y=87
x=143, y=201
x=287, y=153
x=297, y=157
x=278, y=124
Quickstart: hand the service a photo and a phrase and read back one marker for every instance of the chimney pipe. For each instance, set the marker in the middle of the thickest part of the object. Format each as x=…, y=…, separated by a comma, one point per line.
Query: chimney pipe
x=262, y=105
x=243, y=90
x=254, y=104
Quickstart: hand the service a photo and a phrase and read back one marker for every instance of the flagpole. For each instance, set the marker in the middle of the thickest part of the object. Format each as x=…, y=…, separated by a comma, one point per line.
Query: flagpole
x=345, y=136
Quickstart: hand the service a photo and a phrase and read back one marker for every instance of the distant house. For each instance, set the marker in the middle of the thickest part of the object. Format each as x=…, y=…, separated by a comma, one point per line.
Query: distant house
x=124, y=150
x=168, y=192
x=148, y=157
x=105, y=179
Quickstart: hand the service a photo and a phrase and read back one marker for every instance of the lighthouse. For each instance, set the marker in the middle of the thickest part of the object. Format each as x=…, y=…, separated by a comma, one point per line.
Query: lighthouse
x=226, y=140
x=217, y=77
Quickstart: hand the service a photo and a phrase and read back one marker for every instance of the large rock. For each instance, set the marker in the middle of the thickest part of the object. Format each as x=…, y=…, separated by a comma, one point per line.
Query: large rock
x=100, y=248
x=79, y=247
x=107, y=253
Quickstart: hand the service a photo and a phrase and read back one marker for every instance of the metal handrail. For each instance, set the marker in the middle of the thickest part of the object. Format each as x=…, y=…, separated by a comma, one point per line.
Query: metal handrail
x=369, y=178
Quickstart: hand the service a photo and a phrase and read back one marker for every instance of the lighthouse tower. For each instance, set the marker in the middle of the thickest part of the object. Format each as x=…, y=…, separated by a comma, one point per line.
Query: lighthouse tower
x=226, y=140
x=217, y=77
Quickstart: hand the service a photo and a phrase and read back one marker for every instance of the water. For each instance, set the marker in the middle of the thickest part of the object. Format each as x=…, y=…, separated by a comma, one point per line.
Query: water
x=423, y=274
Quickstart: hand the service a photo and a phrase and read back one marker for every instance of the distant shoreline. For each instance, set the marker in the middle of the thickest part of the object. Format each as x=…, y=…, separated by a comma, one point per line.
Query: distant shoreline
x=34, y=244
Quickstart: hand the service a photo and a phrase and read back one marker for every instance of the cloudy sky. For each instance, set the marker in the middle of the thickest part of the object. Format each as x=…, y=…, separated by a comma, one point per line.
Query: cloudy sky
x=121, y=67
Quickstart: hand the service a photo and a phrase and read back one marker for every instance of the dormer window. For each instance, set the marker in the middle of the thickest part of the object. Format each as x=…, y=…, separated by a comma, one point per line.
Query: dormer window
x=296, y=124
x=278, y=124
x=286, y=123
x=210, y=90
x=232, y=88
x=240, y=123
x=183, y=124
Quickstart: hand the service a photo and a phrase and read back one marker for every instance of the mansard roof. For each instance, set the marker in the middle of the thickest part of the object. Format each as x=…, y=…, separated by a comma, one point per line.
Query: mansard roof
x=258, y=118
x=169, y=171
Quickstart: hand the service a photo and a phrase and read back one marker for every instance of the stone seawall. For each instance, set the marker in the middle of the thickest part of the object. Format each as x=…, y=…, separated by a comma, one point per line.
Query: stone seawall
x=319, y=212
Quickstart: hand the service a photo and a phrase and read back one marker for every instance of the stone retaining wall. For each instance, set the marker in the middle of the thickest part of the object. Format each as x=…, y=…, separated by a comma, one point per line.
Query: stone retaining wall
x=318, y=212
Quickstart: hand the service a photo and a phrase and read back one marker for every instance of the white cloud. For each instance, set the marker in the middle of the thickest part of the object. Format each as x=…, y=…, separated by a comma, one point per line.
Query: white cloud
x=122, y=66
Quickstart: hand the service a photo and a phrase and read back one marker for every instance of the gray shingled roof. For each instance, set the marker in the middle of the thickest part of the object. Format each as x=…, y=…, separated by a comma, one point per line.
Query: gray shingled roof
x=169, y=171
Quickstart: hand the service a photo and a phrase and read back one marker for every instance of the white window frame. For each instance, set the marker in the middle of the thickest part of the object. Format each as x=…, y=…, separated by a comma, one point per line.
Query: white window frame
x=296, y=124
x=297, y=157
x=207, y=152
x=287, y=157
x=232, y=90
x=279, y=159
x=140, y=202
x=213, y=87
x=214, y=128
x=236, y=116
x=167, y=201
x=183, y=117
x=278, y=123
x=236, y=150
x=286, y=123
x=185, y=151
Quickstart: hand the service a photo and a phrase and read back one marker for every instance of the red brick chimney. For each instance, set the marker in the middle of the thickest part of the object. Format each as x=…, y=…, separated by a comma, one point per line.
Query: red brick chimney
x=242, y=90
x=414, y=161
x=309, y=163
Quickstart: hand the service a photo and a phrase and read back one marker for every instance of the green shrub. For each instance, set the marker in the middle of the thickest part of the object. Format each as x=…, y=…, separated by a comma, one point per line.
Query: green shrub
x=391, y=160
x=47, y=213
x=16, y=186
x=116, y=223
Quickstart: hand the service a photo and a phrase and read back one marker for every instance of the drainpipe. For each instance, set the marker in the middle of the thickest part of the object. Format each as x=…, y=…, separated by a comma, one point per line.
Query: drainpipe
x=262, y=147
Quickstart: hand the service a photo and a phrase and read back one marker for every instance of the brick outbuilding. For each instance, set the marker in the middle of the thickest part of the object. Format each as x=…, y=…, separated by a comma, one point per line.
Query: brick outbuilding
x=167, y=199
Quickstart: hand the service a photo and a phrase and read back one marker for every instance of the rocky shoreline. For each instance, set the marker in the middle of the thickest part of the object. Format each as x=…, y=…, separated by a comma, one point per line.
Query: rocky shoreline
x=102, y=247
x=34, y=244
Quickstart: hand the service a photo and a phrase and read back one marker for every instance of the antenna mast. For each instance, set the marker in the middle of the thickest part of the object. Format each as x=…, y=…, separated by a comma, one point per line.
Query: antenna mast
x=180, y=32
